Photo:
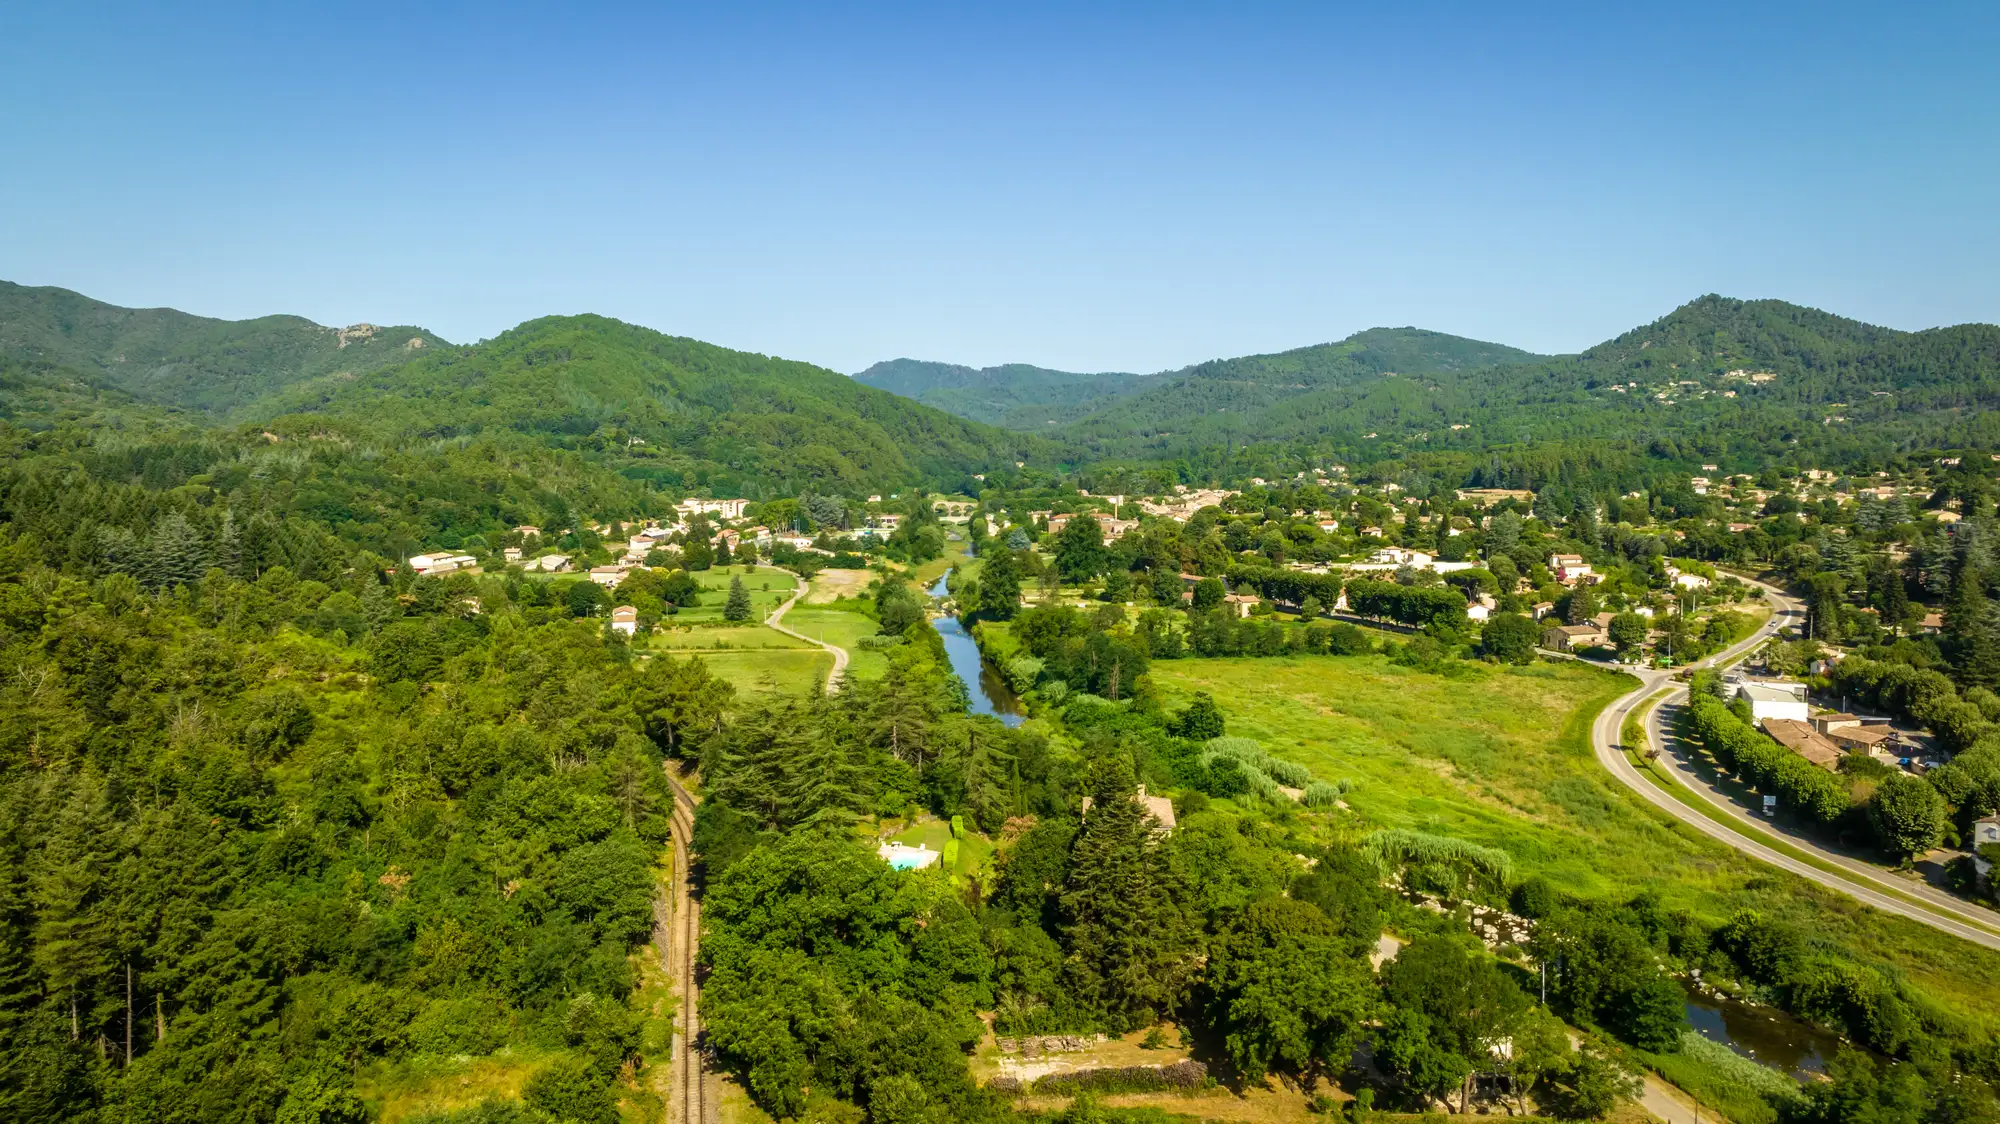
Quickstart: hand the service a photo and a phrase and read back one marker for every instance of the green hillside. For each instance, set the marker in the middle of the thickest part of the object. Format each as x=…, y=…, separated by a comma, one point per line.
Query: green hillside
x=1750, y=380
x=676, y=411
x=1013, y=395
x=172, y=358
x=1306, y=391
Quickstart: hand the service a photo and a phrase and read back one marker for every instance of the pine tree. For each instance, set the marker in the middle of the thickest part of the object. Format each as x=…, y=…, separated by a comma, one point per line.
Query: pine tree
x=178, y=553
x=738, y=608
x=229, y=546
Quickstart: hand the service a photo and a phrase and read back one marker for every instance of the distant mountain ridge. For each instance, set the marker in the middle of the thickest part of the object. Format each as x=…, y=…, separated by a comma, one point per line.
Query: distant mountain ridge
x=172, y=358
x=1018, y=396
x=1747, y=378
x=1013, y=395
x=1717, y=376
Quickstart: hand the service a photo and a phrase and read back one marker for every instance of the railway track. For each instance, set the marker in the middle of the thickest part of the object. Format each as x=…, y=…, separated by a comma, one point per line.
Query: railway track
x=688, y=1095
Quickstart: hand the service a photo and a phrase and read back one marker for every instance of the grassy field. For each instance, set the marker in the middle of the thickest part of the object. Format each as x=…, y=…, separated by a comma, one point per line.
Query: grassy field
x=788, y=670
x=1504, y=759
x=433, y=1084
x=843, y=629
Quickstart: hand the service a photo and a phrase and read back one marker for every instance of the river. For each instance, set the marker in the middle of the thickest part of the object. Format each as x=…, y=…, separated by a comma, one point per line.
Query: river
x=990, y=693
x=1763, y=1035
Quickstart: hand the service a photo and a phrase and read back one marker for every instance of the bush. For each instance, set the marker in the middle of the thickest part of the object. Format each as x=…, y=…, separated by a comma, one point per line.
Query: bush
x=1181, y=1077
x=1536, y=898
x=571, y=1090
x=1320, y=794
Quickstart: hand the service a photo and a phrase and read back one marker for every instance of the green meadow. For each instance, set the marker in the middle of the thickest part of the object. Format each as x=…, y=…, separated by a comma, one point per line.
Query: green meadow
x=1502, y=757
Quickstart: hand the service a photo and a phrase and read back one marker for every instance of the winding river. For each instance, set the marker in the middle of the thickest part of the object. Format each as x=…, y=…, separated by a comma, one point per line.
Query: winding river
x=990, y=693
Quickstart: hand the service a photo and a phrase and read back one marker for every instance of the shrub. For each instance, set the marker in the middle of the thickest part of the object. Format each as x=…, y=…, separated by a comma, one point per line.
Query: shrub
x=1183, y=1077
x=1321, y=794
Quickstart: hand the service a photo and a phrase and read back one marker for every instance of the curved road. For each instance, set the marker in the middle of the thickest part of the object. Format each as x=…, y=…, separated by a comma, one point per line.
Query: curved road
x=839, y=672
x=1859, y=881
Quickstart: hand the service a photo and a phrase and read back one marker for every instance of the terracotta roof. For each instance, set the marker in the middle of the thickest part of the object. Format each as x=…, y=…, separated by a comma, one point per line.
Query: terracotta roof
x=1802, y=739
x=1865, y=736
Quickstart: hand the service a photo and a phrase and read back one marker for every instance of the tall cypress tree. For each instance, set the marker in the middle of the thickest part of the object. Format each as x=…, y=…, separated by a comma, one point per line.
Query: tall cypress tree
x=1895, y=603
x=1131, y=946
x=1970, y=633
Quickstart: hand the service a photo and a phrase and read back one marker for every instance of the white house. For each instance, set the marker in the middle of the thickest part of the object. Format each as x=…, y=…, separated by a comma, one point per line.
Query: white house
x=625, y=619
x=511, y=553
x=551, y=564
x=608, y=576
x=1569, y=568
x=1784, y=701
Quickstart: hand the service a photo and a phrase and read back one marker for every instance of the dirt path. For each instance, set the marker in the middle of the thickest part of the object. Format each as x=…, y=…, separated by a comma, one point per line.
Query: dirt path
x=839, y=672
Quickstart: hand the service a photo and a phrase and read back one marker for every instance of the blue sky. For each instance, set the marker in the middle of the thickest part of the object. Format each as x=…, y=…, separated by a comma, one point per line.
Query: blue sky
x=1081, y=186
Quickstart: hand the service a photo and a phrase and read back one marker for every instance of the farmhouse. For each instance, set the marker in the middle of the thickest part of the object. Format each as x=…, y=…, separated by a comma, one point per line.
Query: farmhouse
x=1802, y=739
x=625, y=619
x=1241, y=603
x=1159, y=807
x=1570, y=637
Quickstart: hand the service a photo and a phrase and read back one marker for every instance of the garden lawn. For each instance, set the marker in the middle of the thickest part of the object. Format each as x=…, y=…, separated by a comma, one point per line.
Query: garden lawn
x=1502, y=757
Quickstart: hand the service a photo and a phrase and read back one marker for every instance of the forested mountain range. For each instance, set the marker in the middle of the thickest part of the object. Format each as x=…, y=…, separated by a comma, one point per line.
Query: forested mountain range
x=173, y=358
x=1012, y=395
x=636, y=402
x=1748, y=381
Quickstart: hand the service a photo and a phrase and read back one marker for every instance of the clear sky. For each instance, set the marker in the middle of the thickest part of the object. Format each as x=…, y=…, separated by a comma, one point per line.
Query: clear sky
x=1080, y=186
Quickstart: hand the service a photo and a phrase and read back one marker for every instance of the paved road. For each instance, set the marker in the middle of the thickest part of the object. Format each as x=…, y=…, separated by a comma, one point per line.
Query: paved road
x=839, y=672
x=1859, y=881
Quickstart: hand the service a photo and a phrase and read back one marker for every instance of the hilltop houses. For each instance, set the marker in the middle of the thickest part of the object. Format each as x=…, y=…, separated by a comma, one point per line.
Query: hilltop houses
x=727, y=509
x=437, y=565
